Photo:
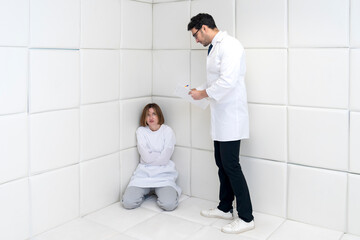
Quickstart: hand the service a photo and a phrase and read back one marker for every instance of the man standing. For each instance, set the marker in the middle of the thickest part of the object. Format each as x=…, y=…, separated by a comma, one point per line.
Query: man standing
x=225, y=88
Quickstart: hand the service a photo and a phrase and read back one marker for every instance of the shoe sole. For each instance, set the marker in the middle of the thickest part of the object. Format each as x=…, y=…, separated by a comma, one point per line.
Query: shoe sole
x=236, y=232
x=232, y=218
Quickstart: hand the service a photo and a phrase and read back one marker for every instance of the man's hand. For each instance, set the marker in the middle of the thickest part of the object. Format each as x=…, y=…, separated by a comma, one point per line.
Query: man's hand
x=198, y=95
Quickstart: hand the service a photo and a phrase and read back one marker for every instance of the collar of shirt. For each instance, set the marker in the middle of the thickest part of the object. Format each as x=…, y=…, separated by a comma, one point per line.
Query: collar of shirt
x=218, y=37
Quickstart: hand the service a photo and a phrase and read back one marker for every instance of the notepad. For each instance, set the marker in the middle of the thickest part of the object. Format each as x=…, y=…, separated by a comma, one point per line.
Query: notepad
x=182, y=91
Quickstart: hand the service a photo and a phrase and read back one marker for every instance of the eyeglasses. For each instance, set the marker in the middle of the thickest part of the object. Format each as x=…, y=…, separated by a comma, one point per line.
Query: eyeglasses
x=194, y=35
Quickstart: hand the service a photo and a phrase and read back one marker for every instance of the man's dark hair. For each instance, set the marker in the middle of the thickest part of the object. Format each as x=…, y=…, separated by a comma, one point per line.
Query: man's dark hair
x=201, y=19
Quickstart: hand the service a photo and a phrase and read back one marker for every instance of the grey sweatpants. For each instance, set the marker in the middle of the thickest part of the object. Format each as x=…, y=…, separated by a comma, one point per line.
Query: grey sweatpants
x=167, y=197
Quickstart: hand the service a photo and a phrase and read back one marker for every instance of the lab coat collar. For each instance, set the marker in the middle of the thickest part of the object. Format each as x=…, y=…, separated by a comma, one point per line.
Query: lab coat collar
x=218, y=37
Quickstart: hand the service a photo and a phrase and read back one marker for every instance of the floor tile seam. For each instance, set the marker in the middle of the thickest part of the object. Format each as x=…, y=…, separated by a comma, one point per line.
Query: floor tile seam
x=187, y=219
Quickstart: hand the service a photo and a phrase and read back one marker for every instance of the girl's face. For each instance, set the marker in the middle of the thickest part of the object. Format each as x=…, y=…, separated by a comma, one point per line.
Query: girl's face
x=152, y=119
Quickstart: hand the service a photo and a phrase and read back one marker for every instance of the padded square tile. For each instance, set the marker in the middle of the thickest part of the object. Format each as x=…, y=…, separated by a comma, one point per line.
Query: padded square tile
x=268, y=193
x=14, y=147
x=198, y=67
x=318, y=137
x=129, y=160
x=355, y=23
x=55, y=24
x=266, y=75
x=354, y=165
x=100, y=75
x=79, y=229
x=222, y=11
x=353, y=212
x=322, y=80
x=54, y=79
x=166, y=37
x=54, y=139
x=15, y=210
x=182, y=160
x=201, y=128
x=99, y=129
x=204, y=176
x=100, y=24
x=190, y=210
x=317, y=196
x=167, y=74
x=252, y=15
x=350, y=237
x=354, y=79
x=177, y=228
x=120, y=219
x=211, y=233
x=135, y=73
x=297, y=230
x=14, y=83
x=268, y=133
x=54, y=198
x=15, y=15
x=319, y=23
x=142, y=37
x=99, y=182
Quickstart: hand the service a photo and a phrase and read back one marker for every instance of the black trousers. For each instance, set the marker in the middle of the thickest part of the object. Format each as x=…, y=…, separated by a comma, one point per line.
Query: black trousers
x=232, y=180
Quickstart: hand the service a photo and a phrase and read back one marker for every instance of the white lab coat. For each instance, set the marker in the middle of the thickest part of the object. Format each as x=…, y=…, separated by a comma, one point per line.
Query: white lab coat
x=226, y=89
x=155, y=168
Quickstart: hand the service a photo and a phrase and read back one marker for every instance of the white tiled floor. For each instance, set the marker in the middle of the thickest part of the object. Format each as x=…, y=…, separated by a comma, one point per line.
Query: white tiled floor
x=149, y=222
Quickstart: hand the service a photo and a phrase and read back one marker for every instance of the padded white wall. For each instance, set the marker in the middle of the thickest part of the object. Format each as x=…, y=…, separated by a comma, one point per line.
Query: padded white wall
x=73, y=76
x=302, y=159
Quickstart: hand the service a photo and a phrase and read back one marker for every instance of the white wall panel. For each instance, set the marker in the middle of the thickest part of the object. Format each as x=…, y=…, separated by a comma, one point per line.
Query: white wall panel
x=14, y=147
x=198, y=68
x=204, y=179
x=99, y=129
x=354, y=142
x=130, y=113
x=254, y=27
x=353, y=204
x=15, y=15
x=169, y=69
x=100, y=75
x=317, y=196
x=129, y=159
x=320, y=23
x=182, y=160
x=170, y=32
x=15, y=210
x=201, y=128
x=266, y=76
x=136, y=25
x=318, y=137
x=135, y=73
x=355, y=79
x=322, y=80
x=54, y=79
x=99, y=183
x=177, y=116
x=354, y=23
x=268, y=192
x=55, y=23
x=54, y=198
x=223, y=13
x=13, y=80
x=54, y=140
x=268, y=133
x=100, y=24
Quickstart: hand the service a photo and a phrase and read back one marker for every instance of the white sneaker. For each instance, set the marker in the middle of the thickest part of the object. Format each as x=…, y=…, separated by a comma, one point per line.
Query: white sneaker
x=216, y=213
x=238, y=226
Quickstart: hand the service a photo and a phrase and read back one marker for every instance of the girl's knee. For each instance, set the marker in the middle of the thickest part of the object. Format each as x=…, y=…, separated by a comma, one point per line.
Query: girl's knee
x=168, y=206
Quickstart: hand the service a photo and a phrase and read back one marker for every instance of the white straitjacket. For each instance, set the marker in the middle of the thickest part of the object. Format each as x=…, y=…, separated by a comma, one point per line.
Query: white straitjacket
x=155, y=169
x=226, y=89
